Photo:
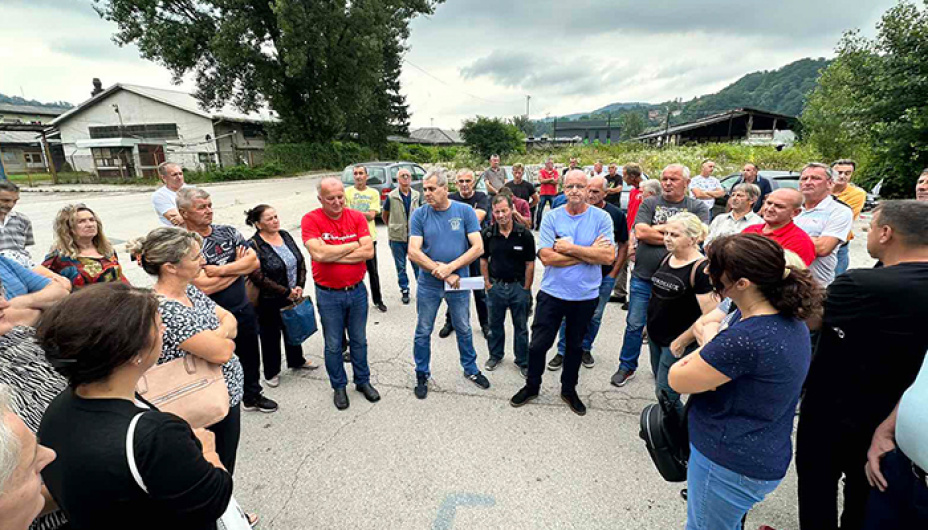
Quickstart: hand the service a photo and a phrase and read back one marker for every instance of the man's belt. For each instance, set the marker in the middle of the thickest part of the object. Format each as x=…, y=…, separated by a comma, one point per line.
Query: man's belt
x=349, y=288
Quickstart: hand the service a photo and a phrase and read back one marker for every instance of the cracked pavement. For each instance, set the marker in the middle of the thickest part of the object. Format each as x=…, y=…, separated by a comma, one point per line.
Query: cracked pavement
x=462, y=458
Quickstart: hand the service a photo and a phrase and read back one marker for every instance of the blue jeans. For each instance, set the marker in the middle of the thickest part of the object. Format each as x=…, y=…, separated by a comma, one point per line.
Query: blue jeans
x=639, y=293
x=717, y=498
x=662, y=370
x=542, y=201
x=515, y=298
x=904, y=504
x=398, y=249
x=428, y=300
x=605, y=291
x=340, y=311
x=844, y=259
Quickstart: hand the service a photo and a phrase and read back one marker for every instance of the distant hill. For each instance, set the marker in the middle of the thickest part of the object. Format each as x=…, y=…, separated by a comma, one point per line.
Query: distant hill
x=16, y=100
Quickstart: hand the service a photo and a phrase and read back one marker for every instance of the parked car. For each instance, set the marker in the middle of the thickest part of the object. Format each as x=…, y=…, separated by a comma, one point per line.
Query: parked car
x=778, y=179
x=382, y=175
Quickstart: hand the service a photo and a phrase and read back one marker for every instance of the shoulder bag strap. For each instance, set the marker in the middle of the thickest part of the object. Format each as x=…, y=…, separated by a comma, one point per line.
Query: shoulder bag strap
x=130, y=452
x=696, y=265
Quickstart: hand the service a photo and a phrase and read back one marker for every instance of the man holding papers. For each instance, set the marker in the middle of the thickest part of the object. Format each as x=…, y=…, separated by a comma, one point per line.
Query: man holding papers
x=574, y=243
x=444, y=239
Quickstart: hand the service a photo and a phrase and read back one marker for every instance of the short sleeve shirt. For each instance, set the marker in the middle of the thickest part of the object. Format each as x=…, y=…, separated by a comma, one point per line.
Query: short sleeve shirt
x=619, y=228
x=364, y=201
x=673, y=306
x=656, y=211
x=16, y=235
x=745, y=424
x=548, y=189
x=182, y=322
x=523, y=190
x=444, y=236
x=219, y=248
x=350, y=227
x=790, y=237
x=162, y=200
x=496, y=178
x=18, y=280
x=706, y=184
x=726, y=224
x=828, y=218
x=912, y=419
x=507, y=255
x=581, y=281
x=612, y=183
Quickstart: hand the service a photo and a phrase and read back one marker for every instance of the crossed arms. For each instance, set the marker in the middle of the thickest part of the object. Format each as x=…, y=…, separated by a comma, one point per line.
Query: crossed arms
x=566, y=254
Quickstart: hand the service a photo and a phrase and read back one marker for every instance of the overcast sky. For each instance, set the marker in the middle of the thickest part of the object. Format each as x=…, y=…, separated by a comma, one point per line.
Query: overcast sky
x=483, y=56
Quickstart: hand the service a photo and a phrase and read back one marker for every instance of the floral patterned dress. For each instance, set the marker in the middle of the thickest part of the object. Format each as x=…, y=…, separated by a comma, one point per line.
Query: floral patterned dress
x=83, y=271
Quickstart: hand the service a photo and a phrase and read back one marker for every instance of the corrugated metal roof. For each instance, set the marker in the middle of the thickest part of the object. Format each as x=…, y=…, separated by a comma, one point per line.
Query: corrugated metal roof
x=175, y=98
x=708, y=120
x=18, y=137
x=434, y=135
x=30, y=109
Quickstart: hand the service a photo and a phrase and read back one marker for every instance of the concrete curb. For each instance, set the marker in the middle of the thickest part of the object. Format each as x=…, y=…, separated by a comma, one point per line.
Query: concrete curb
x=132, y=188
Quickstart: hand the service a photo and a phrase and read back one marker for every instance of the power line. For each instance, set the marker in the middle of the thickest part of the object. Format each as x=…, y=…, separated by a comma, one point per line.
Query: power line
x=510, y=102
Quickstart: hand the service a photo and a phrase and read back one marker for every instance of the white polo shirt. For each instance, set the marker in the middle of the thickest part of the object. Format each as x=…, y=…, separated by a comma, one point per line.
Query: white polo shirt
x=828, y=218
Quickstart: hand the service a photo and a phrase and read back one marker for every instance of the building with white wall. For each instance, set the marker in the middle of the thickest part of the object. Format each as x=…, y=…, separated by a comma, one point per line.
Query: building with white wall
x=127, y=130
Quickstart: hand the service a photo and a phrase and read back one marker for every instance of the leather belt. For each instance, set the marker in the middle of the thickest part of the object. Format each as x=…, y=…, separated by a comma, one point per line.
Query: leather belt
x=349, y=288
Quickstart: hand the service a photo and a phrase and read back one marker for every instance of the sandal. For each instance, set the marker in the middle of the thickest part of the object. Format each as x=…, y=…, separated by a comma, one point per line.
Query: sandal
x=252, y=519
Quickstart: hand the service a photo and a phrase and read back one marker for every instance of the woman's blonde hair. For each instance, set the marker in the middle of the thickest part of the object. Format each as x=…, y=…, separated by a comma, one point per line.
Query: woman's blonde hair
x=692, y=225
x=161, y=246
x=65, y=242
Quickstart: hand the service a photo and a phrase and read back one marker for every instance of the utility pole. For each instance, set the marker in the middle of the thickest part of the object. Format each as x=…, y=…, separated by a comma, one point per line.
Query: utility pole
x=528, y=98
x=48, y=157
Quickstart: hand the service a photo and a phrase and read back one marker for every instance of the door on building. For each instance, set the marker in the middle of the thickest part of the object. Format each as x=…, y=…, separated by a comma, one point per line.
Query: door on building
x=150, y=156
x=114, y=162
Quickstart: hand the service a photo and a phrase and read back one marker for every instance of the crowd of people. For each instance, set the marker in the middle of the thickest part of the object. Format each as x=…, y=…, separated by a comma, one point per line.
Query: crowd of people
x=748, y=316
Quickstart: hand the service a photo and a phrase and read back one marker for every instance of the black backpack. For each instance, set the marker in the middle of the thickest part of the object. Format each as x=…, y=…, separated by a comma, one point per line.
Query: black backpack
x=665, y=435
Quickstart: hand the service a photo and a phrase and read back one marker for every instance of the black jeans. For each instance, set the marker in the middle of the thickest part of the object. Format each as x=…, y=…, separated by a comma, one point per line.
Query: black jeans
x=271, y=331
x=248, y=351
x=376, y=295
x=824, y=452
x=228, y=432
x=549, y=312
x=904, y=504
x=480, y=300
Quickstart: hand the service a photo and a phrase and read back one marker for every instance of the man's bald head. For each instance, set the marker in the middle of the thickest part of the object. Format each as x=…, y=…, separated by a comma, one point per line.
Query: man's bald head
x=781, y=206
x=328, y=184
x=789, y=194
x=596, y=191
x=331, y=196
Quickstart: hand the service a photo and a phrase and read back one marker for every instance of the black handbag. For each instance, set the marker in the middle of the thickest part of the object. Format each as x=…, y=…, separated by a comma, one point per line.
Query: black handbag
x=665, y=434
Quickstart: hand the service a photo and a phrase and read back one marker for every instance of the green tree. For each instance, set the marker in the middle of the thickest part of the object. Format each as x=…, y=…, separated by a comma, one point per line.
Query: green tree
x=328, y=69
x=487, y=136
x=880, y=92
x=524, y=124
x=631, y=124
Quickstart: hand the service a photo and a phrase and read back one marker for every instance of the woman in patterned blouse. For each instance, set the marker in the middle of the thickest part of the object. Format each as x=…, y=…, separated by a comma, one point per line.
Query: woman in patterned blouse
x=81, y=252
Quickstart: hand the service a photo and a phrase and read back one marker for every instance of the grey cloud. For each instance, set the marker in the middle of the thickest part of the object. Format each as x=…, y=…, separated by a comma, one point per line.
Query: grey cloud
x=100, y=48
x=580, y=76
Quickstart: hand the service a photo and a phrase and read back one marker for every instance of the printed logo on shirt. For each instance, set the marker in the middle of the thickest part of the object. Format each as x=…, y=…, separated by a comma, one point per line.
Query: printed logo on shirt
x=455, y=223
x=327, y=237
x=662, y=213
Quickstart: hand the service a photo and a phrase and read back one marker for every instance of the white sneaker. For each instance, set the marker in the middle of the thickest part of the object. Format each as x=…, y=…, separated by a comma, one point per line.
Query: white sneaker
x=274, y=382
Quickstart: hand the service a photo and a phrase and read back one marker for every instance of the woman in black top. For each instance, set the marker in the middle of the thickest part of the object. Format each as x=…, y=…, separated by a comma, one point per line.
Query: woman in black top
x=92, y=338
x=680, y=293
x=280, y=281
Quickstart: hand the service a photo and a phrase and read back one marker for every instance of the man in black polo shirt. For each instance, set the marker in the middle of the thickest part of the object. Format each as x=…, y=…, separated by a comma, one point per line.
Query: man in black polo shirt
x=508, y=267
x=481, y=204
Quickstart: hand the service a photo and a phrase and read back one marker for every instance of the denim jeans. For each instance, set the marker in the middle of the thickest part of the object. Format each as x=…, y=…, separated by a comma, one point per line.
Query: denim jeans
x=428, y=300
x=639, y=293
x=549, y=313
x=717, y=498
x=340, y=311
x=844, y=259
x=904, y=504
x=662, y=370
x=399, y=250
x=515, y=298
x=605, y=291
x=542, y=201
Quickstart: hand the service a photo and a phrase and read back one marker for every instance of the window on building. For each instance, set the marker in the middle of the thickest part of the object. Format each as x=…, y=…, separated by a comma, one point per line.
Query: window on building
x=33, y=158
x=252, y=130
x=167, y=131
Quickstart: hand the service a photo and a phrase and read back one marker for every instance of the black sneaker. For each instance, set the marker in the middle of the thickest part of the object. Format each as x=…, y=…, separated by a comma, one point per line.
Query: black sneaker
x=618, y=299
x=621, y=377
x=573, y=401
x=555, y=363
x=491, y=364
x=587, y=359
x=480, y=380
x=625, y=306
x=446, y=330
x=422, y=385
x=405, y=297
x=523, y=396
x=380, y=307
x=261, y=404
x=485, y=330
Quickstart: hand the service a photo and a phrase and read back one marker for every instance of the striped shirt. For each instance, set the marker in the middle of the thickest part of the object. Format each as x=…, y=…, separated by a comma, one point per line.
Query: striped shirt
x=15, y=236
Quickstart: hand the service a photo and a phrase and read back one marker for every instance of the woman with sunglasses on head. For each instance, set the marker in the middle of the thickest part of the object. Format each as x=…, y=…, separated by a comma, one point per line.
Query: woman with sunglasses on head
x=81, y=252
x=745, y=383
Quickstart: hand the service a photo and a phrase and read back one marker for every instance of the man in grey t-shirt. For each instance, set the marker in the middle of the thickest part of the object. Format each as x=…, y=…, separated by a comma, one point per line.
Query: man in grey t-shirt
x=494, y=176
x=649, y=224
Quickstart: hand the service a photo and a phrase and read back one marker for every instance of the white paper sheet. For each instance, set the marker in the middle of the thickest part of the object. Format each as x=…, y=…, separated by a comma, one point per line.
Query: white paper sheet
x=468, y=284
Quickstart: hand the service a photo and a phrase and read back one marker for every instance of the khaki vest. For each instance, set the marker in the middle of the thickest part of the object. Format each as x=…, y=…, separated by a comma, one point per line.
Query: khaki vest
x=398, y=229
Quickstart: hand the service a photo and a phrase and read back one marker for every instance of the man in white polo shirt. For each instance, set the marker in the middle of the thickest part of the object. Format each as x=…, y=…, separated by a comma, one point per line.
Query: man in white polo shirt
x=826, y=220
x=164, y=199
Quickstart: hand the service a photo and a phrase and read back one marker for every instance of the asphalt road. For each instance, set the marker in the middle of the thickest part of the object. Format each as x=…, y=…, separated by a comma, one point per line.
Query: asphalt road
x=463, y=458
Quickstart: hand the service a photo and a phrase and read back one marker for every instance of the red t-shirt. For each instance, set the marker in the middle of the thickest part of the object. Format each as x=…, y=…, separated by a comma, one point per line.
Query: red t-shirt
x=348, y=228
x=634, y=201
x=790, y=237
x=548, y=189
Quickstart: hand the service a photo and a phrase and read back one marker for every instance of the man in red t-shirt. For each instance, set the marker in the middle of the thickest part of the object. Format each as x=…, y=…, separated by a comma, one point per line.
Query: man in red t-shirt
x=780, y=207
x=339, y=242
x=548, y=178
x=631, y=173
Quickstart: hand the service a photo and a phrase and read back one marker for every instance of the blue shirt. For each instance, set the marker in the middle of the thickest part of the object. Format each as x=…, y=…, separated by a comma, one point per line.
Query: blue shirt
x=559, y=200
x=581, y=281
x=912, y=419
x=745, y=424
x=444, y=236
x=18, y=280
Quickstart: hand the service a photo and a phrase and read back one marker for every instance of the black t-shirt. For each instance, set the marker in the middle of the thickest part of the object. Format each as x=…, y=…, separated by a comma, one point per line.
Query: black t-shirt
x=91, y=482
x=620, y=229
x=478, y=201
x=523, y=190
x=219, y=248
x=673, y=306
x=507, y=255
x=614, y=182
x=872, y=345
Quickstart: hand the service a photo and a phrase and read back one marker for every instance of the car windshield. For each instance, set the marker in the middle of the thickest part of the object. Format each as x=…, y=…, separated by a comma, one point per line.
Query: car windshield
x=788, y=182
